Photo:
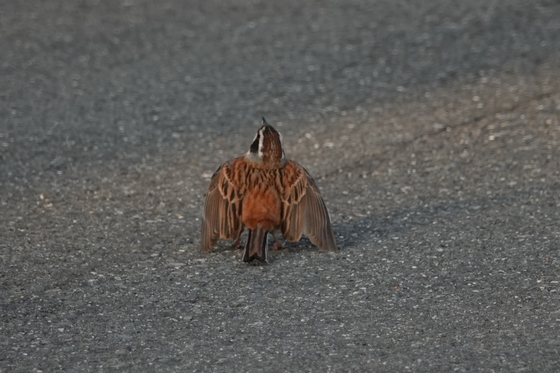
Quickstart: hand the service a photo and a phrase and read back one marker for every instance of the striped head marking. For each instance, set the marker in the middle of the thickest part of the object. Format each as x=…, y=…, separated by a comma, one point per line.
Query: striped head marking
x=267, y=144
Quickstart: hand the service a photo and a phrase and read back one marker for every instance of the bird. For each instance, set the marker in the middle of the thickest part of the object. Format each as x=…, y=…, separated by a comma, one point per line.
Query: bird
x=264, y=192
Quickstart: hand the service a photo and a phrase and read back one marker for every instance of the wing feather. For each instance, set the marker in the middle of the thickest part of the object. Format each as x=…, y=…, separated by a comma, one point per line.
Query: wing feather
x=304, y=210
x=221, y=211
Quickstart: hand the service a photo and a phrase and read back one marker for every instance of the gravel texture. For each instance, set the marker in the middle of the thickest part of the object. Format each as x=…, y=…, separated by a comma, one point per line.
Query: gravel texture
x=432, y=129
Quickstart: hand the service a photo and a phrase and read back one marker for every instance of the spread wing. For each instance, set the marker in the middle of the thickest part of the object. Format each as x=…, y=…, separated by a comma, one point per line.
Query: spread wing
x=220, y=217
x=303, y=209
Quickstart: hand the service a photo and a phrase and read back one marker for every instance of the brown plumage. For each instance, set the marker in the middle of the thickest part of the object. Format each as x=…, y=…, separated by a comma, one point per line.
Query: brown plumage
x=264, y=192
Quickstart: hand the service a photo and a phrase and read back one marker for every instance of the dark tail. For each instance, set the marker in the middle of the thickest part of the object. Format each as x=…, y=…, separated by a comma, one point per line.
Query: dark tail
x=256, y=246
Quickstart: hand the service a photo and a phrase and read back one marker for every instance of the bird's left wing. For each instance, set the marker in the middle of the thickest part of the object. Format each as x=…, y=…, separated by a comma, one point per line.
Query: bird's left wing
x=220, y=218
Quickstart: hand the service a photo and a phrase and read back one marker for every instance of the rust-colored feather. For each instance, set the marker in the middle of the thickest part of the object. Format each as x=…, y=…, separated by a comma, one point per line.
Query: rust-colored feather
x=222, y=208
x=304, y=209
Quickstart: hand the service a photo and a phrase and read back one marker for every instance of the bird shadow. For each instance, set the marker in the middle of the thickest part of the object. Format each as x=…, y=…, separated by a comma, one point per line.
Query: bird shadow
x=393, y=224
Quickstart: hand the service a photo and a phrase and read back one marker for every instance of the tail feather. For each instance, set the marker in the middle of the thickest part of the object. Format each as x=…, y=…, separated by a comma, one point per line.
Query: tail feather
x=256, y=246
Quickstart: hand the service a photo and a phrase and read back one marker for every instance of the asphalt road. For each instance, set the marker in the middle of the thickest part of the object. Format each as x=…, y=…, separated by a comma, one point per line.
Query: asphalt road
x=432, y=129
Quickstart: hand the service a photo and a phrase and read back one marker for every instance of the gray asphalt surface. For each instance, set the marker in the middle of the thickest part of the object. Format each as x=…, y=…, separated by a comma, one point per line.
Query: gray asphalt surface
x=432, y=129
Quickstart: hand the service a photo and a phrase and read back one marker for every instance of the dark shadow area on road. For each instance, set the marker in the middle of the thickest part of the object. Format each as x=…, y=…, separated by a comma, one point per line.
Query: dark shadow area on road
x=477, y=213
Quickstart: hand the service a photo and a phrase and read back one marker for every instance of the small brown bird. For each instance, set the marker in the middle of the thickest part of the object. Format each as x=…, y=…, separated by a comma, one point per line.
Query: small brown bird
x=264, y=192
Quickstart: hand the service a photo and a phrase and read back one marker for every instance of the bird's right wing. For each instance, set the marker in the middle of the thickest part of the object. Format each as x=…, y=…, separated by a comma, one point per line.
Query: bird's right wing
x=304, y=210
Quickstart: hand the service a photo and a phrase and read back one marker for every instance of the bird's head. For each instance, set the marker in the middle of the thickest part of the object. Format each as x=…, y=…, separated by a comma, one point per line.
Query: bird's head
x=267, y=146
